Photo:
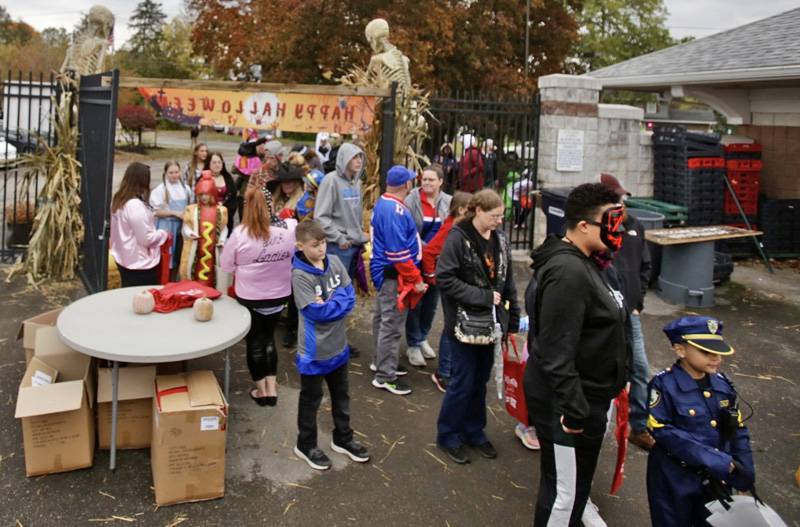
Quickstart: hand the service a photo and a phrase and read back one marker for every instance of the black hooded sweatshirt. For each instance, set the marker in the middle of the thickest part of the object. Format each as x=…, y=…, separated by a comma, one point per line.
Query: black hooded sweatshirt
x=578, y=343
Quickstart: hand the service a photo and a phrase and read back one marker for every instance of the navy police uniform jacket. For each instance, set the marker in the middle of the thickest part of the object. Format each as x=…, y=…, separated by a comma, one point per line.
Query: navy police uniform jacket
x=686, y=422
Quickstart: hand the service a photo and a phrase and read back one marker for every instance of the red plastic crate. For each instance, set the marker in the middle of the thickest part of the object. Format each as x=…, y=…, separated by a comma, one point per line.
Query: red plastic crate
x=746, y=186
x=741, y=165
x=743, y=147
x=745, y=181
x=706, y=162
x=750, y=207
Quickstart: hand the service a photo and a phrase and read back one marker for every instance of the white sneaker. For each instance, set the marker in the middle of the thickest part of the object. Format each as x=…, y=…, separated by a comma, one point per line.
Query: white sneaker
x=427, y=351
x=527, y=435
x=591, y=515
x=415, y=357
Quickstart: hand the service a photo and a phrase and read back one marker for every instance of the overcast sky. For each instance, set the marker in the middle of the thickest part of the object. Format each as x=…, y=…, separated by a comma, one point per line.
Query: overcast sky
x=698, y=18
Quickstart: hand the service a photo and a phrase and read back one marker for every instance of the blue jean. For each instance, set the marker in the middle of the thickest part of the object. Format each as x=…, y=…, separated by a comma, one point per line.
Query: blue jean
x=445, y=368
x=420, y=319
x=640, y=371
x=462, y=417
x=347, y=256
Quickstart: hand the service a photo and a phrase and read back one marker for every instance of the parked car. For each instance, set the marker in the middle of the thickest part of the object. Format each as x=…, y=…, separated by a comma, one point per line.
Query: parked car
x=8, y=152
x=23, y=140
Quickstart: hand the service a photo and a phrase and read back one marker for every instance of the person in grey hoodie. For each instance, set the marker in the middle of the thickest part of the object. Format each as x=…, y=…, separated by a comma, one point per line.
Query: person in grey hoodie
x=339, y=209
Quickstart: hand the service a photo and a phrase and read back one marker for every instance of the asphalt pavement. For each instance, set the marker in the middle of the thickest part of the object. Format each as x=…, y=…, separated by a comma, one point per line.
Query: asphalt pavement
x=408, y=482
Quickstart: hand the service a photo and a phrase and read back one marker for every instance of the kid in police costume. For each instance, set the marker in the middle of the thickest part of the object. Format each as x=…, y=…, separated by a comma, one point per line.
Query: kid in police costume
x=702, y=447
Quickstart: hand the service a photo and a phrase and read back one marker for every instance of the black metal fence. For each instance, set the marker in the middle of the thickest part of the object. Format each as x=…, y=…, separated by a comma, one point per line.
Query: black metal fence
x=26, y=120
x=484, y=143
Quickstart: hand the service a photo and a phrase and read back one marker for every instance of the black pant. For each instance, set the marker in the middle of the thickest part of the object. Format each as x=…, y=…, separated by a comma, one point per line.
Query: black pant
x=133, y=277
x=308, y=405
x=291, y=316
x=262, y=357
x=567, y=462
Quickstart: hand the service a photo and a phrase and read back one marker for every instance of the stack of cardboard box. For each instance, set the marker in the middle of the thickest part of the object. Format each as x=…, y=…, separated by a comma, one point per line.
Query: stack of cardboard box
x=187, y=454
x=56, y=406
x=181, y=417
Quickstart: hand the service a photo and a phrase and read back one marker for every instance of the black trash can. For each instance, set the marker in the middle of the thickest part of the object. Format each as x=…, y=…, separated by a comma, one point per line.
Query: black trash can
x=554, y=201
x=651, y=220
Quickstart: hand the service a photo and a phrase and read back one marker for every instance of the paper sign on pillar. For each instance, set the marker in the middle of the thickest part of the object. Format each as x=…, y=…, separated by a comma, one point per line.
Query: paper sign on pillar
x=187, y=452
x=135, y=408
x=55, y=405
x=28, y=328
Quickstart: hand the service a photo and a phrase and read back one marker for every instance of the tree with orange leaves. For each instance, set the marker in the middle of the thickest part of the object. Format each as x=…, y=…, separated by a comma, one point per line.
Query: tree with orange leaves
x=453, y=45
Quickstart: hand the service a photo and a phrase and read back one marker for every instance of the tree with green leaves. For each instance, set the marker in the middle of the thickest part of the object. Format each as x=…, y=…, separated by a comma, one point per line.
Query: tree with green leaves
x=14, y=33
x=56, y=37
x=612, y=31
x=147, y=25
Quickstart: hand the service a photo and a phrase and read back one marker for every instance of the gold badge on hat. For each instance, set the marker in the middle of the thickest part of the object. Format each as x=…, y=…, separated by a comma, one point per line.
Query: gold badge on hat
x=713, y=326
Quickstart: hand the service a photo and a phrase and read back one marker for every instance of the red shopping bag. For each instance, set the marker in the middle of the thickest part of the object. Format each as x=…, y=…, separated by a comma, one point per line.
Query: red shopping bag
x=513, y=374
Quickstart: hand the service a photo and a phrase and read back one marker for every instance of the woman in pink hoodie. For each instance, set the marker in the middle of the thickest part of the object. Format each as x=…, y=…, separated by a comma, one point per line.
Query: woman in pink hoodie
x=135, y=241
x=259, y=254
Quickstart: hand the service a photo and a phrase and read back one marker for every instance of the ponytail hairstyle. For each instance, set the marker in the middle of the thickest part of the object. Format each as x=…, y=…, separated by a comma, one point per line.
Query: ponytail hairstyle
x=135, y=184
x=256, y=214
x=486, y=199
x=167, y=166
x=460, y=199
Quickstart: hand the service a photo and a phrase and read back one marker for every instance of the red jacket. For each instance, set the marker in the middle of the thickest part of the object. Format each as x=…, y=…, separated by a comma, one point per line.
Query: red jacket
x=431, y=251
x=471, y=170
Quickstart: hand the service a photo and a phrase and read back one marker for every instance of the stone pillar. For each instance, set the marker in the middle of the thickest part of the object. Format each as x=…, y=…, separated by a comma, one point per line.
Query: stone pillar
x=568, y=103
x=613, y=139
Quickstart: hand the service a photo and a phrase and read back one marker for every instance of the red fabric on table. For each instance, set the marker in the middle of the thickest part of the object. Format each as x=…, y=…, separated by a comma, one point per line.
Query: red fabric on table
x=179, y=295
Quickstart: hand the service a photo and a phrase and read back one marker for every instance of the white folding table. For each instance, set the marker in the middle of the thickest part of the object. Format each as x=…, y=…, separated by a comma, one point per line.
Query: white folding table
x=104, y=325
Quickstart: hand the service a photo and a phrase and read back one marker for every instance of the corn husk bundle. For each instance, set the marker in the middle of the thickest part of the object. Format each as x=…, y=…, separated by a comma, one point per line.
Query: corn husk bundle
x=58, y=230
x=410, y=131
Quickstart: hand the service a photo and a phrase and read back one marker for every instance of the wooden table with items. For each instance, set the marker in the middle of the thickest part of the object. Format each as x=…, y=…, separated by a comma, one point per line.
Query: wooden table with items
x=687, y=263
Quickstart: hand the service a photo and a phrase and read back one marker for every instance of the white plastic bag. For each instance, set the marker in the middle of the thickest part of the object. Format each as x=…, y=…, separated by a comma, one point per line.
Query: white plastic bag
x=744, y=511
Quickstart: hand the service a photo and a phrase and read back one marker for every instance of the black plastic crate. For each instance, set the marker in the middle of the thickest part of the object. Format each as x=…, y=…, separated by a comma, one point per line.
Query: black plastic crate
x=736, y=247
x=780, y=211
x=723, y=267
x=742, y=155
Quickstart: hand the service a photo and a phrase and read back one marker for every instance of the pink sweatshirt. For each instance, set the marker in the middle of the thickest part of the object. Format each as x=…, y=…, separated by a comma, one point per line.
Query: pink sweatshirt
x=135, y=242
x=262, y=269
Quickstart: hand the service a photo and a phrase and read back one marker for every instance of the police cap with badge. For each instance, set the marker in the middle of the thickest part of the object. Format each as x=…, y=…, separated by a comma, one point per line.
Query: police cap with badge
x=704, y=333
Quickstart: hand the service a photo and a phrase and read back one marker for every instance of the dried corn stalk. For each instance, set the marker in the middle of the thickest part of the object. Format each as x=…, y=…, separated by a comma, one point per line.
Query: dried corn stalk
x=410, y=129
x=58, y=230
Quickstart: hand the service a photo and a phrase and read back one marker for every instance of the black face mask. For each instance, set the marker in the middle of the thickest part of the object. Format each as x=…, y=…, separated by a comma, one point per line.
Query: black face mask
x=611, y=228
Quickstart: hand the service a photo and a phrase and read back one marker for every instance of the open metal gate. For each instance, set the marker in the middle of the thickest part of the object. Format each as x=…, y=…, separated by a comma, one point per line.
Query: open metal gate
x=501, y=136
x=97, y=116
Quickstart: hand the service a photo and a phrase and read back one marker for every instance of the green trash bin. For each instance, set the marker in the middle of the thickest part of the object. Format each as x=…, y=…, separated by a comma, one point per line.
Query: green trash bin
x=674, y=215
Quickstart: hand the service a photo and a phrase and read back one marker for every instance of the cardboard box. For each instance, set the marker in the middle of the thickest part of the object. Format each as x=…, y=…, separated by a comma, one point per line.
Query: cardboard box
x=27, y=330
x=57, y=417
x=134, y=411
x=187, y=453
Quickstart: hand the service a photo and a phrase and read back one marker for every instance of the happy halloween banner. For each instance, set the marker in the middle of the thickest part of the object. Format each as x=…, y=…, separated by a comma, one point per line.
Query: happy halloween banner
x=292, y=112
